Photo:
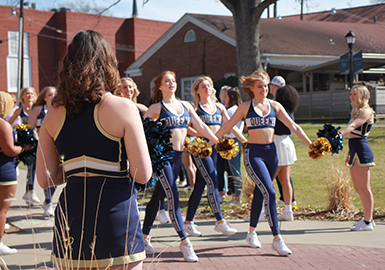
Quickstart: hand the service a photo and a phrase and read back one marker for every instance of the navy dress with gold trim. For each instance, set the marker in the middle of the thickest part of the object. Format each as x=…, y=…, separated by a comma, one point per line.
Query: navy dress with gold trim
x=99, y=210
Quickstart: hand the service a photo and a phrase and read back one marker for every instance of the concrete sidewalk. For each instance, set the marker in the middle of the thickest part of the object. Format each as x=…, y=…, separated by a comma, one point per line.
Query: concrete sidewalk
x=315, y=244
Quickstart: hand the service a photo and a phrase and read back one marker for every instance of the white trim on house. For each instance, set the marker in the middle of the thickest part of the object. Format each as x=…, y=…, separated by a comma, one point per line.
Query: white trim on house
x=171, y=32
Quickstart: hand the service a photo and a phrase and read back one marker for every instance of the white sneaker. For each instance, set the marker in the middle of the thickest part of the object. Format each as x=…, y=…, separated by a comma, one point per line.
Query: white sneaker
x=286, y=216
x=281, y=248
x=225, y=228
x=150, y=250
x=161, y=216
x=188, y=252
x=361, y=226
x=253, y=241
x=6, y=226
x=30, y=197
x=247, y=219
x=233, y=201
x=362, y=219
x=5, y=250
x=294, y=203
x=191, y=229
x=48, y=209
x=280, y=202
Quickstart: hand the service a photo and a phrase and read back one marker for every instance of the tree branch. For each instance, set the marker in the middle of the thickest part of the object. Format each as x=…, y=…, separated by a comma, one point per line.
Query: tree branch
x=257, y=12
x=230, y=4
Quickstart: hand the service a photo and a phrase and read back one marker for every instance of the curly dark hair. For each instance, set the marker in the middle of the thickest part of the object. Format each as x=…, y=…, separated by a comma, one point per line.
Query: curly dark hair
x=88, y=70
x=288, y=97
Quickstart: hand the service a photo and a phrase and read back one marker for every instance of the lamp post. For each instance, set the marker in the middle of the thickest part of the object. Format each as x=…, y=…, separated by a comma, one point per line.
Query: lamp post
x=350, y=39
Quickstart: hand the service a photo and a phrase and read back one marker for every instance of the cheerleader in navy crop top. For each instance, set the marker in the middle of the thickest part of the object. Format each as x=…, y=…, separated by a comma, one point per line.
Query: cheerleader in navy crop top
x=260, y=155
x=174, y=120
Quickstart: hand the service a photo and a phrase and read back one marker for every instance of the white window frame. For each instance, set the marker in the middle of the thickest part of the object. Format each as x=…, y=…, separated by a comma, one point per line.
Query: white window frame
x=13, y=61
x=186, y=90
x=189, y=36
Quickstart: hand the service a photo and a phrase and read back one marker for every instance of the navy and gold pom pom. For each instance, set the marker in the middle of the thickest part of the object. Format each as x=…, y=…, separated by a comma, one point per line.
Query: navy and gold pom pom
x=329, y=140
x=26, y=135
x=227, y=148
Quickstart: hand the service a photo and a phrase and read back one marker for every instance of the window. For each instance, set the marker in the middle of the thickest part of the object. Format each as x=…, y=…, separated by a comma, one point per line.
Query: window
x=12, y=61
x=189, y=36
x=186, y=88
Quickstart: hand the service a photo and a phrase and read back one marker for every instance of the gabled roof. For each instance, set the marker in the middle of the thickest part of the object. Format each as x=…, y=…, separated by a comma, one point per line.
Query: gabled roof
x=310, y=39
x=364, y=14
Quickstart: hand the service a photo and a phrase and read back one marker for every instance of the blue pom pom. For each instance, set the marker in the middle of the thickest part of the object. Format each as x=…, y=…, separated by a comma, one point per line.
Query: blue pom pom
x=333, y=135
x=27, y=136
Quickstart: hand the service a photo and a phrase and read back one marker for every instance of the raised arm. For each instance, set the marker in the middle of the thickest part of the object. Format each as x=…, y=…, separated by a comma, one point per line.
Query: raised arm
x=239, y=115
x=363, y=117
x=226, y=119
x=294, y=127
x=153, y=111
x=198, y=124
x=15, y=115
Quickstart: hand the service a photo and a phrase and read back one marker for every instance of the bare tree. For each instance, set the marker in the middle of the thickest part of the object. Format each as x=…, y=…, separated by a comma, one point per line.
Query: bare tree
x=90, y=7
x=247, y=14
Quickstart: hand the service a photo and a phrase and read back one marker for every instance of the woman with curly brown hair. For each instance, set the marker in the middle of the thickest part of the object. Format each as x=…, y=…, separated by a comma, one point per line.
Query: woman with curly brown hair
x=96, y=221
x=360, y=156
x=260, y=156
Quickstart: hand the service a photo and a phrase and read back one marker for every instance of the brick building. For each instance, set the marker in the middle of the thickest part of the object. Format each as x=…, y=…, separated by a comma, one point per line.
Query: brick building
x=48, y=33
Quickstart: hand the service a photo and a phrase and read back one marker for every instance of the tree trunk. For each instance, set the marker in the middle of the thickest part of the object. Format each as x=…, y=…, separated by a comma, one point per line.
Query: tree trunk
x=246, y=14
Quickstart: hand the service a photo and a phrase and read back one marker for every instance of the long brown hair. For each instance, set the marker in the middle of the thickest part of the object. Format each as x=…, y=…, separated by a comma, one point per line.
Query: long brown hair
x=234, y=97
x=157, y=95
x=88, y=70
x=40, y=99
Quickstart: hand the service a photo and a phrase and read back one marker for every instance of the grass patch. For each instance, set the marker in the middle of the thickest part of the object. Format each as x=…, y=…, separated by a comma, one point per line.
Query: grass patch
x=310, y=176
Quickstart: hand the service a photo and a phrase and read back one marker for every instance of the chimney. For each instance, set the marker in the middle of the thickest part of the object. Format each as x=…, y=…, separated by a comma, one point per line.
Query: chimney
x=134, y=10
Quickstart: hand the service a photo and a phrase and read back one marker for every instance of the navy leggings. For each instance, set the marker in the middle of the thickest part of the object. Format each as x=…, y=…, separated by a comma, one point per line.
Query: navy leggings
x=48, y=192
x=206, y=174
x=166, y=186
x=261, y=163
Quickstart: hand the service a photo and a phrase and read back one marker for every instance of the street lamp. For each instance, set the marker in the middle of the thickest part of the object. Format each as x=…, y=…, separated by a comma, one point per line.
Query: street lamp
x=350, y=39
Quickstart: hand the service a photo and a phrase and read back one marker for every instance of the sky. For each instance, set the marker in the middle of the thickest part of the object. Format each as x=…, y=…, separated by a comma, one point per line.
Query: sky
x=173, y=10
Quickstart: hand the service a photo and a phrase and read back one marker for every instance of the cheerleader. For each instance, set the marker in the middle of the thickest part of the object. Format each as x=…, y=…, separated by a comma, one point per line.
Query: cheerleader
x=260, y=156
x=177, y=115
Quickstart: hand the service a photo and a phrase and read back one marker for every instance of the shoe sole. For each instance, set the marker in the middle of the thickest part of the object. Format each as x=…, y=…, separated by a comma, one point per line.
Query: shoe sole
x=255, y=246
x=227, y=233
x=286, y=254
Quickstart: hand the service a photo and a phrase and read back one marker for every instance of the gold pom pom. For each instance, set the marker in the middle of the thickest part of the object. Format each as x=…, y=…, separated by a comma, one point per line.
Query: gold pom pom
x=319, y=148
x=200, y=147
x=186, y=145
x=243, y=146
x=227, y=148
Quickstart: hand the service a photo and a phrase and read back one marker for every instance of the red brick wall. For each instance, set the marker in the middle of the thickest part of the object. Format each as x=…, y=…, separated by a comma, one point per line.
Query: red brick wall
x=208, y=55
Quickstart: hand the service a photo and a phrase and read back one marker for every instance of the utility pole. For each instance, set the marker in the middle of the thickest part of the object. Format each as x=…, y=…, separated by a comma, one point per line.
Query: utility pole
x=21, y=51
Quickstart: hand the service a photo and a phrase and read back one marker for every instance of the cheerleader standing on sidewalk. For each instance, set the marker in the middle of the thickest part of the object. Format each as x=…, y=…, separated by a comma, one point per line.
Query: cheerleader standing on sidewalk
x=260, y=157
x=177, y=115
x=212, y=113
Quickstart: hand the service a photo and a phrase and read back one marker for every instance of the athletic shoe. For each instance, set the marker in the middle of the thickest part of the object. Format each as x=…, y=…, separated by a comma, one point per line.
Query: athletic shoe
x=6, y=226
x=30, y=198
x=294, y=203
x=188, y=252
x=225, y=228
x=191, y=229
x=150, y=250
x=286, y=216
x=162, y=217
x=281, y=248
x=5, y=250
x=48, y=209
x=280, y=202
x=253, y=241
x=362, y=219
x=361, y=226
x=247, y=219
x=233, y=201
x=221, y=198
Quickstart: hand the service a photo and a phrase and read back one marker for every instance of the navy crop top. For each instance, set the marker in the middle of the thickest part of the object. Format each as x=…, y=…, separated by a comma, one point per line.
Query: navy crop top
x=41, y=116
x=363, y=131
x=174, y=121
x=210, y=119
x=85, y=146
x=254, y=120
x=24, y=116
